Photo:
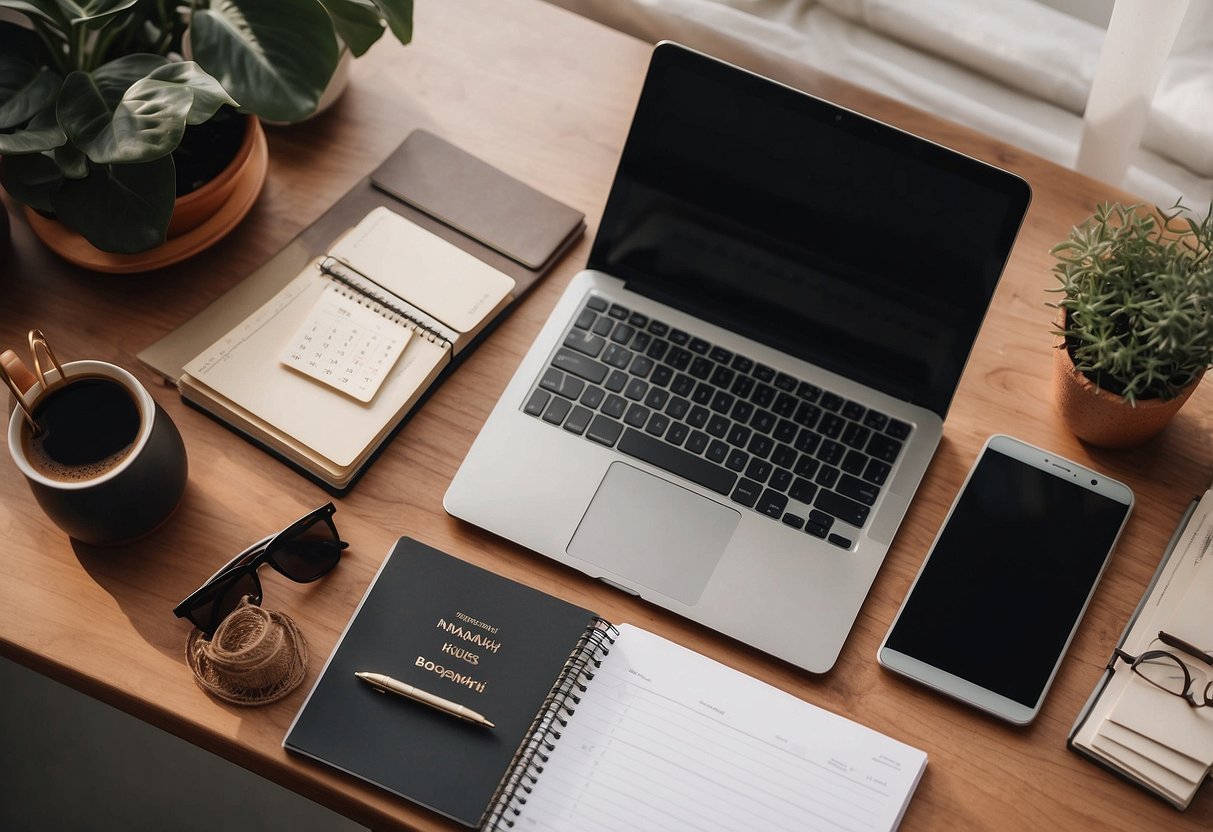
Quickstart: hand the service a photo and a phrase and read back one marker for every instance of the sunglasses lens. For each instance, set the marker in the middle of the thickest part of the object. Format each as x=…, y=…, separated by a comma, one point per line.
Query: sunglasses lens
x=223, y=597
x=310, y=554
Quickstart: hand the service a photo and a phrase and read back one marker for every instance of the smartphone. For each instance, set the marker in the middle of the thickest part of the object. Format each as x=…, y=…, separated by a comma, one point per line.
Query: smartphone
x=1004, y=586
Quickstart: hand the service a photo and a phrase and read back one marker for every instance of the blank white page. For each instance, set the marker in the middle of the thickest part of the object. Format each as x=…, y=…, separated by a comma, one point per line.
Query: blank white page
x=666, y=739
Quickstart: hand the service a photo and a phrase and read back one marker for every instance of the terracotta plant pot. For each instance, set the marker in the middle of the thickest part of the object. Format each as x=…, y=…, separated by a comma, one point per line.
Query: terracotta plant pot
x=1105, y=419
x=200, y=219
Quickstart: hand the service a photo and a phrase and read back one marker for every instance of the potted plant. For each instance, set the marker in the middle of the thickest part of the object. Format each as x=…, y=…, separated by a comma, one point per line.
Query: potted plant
x=1135, y=322
x=99, y=113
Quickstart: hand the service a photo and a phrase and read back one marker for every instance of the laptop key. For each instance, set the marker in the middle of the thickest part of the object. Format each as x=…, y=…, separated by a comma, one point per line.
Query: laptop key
x=678, y=462
x=844, y=508
x=657, y=349
x=616, y=381
x=877, y=472
x=857, y=489
x=781, y=478
x=657, y=424
x=619, y=312
x=617, y=356
x=637, y=416
x=736, y=460
x=772, y=503
x=827, y=476
x=592, y=397
x=717, y=451
x=795, y=521
x=697, y=441
x=876, y=420
x=623, y=333
x=586, y=319
x=551, y=380
x=883, y=447
x=556, y=410
x=854, y=462
x=897, y=429
x=579, y=365
x=578, y=420
x=818, y=523
x=747, y=493
x=596, y=303
x=853, y=411
x=840, y=541
x=802, y=491
x=604, y=431
x=758, y=470
x=584, y=342
x=677, y=433
x=615, y=406
x=536, y=403
x=636, y=389
x=603, y=327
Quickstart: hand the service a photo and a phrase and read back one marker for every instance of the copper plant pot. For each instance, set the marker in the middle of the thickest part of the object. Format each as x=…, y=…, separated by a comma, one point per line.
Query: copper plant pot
x=1105, y=419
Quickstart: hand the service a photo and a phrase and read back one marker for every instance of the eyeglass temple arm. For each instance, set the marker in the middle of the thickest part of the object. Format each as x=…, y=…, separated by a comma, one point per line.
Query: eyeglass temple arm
x=1179, y=644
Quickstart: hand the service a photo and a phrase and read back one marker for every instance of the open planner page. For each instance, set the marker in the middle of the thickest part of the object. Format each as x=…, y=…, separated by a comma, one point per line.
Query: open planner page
x=666, y=739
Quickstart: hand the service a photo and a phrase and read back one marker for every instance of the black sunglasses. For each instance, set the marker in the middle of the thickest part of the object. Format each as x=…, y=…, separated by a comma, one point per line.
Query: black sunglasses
x=306, y=550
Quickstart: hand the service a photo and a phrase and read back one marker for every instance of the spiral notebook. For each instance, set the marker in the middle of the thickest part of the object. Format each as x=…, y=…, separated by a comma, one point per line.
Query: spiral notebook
x=327, y=367
x=595, y=726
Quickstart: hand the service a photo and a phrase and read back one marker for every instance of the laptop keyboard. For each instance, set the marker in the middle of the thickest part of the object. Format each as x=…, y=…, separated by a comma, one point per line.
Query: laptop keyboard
x=770, y=442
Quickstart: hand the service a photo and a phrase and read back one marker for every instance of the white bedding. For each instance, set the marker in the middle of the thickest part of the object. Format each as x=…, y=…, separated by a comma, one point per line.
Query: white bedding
x=1019, y=70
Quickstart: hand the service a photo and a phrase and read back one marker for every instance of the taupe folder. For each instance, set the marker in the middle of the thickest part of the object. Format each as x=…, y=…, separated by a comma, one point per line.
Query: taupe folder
x=444, y=189
x=439, y=187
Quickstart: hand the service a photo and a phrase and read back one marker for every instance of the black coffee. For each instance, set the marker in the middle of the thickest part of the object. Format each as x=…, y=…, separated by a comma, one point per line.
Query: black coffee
x=86, y=429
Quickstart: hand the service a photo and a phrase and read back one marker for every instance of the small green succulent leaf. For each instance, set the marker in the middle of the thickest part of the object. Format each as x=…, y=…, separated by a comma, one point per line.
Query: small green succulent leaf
x=120, y=208
x=31, y=179
x=274, y=56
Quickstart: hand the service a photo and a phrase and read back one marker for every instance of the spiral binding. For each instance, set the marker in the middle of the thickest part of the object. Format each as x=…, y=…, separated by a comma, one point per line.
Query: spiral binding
x=329, y=266
x=540, y=740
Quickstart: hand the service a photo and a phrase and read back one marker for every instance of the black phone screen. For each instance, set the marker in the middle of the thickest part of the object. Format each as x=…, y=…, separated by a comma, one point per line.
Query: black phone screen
x=1009, y=576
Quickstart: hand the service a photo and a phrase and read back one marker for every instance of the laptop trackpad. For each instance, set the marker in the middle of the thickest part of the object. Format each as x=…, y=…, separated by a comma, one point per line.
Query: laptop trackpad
x=654, y=533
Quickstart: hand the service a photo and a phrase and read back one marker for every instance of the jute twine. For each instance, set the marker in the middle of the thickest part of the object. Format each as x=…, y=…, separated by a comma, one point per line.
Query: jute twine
x=256, y=656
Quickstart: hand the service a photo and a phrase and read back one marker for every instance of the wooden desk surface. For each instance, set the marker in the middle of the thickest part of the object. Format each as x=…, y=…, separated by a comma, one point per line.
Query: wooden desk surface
x=548, y=97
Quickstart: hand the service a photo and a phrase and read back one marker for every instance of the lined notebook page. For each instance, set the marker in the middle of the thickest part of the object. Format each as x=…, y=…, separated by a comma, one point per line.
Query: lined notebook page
x=666, y=739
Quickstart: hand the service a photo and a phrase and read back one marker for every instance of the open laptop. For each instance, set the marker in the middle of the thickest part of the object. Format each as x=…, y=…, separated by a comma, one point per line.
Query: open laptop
x=728, y=412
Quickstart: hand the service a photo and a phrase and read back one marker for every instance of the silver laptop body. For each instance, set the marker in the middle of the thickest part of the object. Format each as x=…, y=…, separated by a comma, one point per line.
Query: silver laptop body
x=822, y=273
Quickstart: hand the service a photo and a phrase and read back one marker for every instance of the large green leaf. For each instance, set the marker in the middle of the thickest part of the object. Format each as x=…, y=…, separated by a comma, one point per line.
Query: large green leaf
x=274, y=56
x=399, y=17
x=208, y=95
x=41, y=134
x=44, y=10
x=94, y=12
x=27, y=86
x=145, y=123
x=358, y=23
x=120, y=208
x=31, y=179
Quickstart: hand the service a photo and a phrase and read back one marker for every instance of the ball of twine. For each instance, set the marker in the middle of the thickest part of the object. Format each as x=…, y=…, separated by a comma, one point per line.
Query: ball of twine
x=256, y=656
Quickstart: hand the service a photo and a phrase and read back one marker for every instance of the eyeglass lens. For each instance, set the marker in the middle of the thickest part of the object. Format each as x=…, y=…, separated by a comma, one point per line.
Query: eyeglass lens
x=1170, y=673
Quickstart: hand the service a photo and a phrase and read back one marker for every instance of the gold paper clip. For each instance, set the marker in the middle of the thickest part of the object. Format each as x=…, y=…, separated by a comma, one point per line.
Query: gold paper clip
x=11, y=365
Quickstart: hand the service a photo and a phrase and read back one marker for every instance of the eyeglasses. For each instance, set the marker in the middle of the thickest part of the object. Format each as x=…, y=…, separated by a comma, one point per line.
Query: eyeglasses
x=304, y=551
x=1165, y=670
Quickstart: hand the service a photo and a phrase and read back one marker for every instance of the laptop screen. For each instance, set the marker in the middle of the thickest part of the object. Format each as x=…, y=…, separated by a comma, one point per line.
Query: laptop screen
x=820, y=232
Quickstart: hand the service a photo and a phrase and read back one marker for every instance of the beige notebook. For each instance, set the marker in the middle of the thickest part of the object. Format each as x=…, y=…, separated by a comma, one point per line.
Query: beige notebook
x=326, y=368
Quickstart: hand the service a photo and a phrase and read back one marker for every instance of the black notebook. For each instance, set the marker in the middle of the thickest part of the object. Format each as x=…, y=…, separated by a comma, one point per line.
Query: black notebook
x=594, y=727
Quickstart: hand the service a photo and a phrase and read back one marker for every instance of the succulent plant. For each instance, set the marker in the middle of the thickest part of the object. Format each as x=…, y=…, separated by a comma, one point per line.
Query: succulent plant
x=1137, y=298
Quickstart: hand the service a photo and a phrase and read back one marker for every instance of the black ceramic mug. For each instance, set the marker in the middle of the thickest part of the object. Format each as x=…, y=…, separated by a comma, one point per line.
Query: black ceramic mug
x=104, y=461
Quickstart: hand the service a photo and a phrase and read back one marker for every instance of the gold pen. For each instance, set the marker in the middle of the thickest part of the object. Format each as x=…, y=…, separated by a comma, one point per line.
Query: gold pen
x=386, y=684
